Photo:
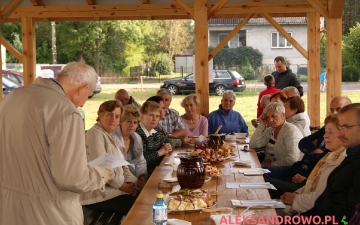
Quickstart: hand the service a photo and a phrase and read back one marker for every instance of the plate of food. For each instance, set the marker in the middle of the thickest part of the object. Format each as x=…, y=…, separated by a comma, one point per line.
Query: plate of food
x=190, y=200
x=213, y=171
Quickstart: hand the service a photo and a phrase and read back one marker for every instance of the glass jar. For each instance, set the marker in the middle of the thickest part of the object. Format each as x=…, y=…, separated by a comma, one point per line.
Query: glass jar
x=191, y=172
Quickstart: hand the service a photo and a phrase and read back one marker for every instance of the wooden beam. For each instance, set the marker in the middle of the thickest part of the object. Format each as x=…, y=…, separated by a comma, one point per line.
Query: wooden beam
x=229, y=36
x=1, y=84
x=37, y=3
x=29, y=52
x=11, y=49
x=159, y=11
x=91, y=2
x=286, y=35
x=333, y=59
x=185, y=8
x=145, y=1
x=9, y=9
x=319, y=7
x=201, y=52
x=216, y=8
x=335, y=8
x=313, y=96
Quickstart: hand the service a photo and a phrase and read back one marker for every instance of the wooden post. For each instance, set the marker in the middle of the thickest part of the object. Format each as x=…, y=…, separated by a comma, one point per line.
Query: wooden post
x=1, y=59
x=201, y=55
x=313, y=95
x=333, y=60
x=29, y=52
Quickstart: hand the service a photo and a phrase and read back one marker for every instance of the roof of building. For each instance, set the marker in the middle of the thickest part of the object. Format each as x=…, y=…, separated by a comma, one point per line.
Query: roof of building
x=257, y=21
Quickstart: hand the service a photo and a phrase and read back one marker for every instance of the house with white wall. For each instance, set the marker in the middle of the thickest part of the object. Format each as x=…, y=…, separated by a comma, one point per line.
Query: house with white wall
x=259, y=34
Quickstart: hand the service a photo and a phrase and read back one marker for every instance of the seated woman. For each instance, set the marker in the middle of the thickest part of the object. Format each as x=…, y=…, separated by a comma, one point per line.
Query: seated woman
x=304, y=198
x=294, y=113
x=155, y=144
x=281, y=138
x=195, y=124
x=131, y=143
x=231, y=121
x=120, y=192
x=278, y=97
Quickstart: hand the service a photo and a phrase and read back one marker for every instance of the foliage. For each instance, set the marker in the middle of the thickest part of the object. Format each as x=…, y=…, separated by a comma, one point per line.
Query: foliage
x=351, y=14
x=323, y=45
x=237, y=56
x=351, y=49
x=165, y=65
x=302, y=71
x=350, y=73
x=246, y=70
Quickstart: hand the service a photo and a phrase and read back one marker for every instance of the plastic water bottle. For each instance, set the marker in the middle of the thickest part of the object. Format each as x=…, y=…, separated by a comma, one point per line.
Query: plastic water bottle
x=160, y=210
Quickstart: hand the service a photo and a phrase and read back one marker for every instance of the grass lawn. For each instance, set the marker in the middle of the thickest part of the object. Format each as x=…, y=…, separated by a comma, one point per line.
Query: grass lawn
x=246, y=103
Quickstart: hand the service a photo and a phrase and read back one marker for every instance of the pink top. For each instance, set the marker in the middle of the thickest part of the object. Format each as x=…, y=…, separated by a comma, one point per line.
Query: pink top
x=201, y=127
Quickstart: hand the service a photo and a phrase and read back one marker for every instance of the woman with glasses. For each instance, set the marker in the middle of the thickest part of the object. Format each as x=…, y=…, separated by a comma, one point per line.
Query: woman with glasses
x=131, y=143
x=120, y=192
x=155, y=144
x=281, y=138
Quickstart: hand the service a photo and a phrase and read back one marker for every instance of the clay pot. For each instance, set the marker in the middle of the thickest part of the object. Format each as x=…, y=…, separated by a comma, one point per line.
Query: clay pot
x=191, y=172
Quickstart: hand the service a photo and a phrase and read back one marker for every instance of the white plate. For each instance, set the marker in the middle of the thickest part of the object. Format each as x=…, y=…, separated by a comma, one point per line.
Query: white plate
x=173, y=179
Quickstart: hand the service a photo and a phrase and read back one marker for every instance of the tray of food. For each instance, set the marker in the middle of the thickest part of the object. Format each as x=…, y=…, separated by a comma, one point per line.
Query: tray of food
x=190, y=200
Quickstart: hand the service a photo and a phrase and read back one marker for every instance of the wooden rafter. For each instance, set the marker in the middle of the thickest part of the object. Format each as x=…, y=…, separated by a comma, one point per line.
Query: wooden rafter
x=145, y=1
x=286, y=35
x=10, y=8
x=185, y=8
x=91, y=2
x=11, y=49
x=335, y=8
x=37, y=3
x=229, y=36
x=319, y=7
x=216, y=8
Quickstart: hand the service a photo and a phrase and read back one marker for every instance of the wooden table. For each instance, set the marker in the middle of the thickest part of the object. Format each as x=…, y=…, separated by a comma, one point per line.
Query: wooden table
x=141, y=212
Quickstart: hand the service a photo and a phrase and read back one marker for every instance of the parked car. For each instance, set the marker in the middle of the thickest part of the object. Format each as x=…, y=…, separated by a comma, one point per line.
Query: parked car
x=98, y=88
x=15, y=77
x=7, y=86
x=222, y=80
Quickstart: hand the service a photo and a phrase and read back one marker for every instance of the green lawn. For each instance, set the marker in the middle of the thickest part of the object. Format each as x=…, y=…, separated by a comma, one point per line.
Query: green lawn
x=246, y=103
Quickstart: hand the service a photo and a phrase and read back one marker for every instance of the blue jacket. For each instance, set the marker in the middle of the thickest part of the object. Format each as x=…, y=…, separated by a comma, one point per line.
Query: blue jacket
x=322, y=77
x=232, y=122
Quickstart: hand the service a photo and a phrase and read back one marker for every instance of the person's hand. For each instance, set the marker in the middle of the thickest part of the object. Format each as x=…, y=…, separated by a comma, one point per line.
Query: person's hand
x=263, y=119
x=267, y=162
x=166, y=148
x=141, y=182
x=110, y=174
x=187, y=139
x=129, y=188
x=288, y=197
x=297, y=178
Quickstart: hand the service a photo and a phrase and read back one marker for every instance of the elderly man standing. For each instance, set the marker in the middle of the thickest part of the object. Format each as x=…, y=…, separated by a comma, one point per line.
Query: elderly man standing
x=43, y=162
x=123, y=96
x=284, y=77
x=342, y=190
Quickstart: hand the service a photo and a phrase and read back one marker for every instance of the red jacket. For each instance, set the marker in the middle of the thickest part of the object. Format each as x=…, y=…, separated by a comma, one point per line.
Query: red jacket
x=268, y=90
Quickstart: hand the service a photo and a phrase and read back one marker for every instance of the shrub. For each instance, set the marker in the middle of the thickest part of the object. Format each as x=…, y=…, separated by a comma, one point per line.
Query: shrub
x=247, y=71
x=302, y=71
x=350, y=73
x=165, y=65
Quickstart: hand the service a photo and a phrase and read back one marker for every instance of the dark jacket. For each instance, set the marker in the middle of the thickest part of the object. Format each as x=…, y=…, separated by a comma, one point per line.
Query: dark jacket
x=286, y=79
x=342, y=191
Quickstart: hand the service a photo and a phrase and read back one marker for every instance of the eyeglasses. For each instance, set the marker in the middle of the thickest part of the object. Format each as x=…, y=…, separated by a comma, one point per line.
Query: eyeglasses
x=345, y=128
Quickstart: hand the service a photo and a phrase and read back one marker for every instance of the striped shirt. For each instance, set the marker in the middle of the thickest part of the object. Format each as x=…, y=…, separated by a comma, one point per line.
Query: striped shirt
x=172, y=121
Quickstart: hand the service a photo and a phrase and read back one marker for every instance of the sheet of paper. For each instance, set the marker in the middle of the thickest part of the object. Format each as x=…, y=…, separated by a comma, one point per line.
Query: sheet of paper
x=109, y=161
x=272, y=203
x=232, y=185
x=252, y=170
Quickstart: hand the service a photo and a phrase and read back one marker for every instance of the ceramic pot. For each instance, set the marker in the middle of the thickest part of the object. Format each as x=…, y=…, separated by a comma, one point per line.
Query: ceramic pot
x=191, y=172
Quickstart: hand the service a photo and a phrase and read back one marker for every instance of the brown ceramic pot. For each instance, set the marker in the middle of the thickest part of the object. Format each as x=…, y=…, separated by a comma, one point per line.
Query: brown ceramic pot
x=191, y=172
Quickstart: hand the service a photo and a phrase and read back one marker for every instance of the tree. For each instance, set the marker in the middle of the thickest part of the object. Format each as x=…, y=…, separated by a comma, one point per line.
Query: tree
x=351, y=15
x=351, y=48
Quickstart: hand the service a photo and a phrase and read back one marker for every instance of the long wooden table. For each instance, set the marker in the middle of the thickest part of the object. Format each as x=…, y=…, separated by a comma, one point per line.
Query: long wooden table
x=141, y=212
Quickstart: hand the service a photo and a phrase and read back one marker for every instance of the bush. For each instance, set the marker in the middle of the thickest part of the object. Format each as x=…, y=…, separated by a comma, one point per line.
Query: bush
x=247, y=71
x=150, y=71
x=302, y=71
x=350, y=73
x=165, y=65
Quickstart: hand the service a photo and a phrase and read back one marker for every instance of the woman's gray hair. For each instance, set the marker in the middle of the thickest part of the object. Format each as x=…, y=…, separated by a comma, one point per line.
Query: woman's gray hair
x=277, y=106
x=164, y=91
x=229, y=93
x=130, y=112
x=79, y=73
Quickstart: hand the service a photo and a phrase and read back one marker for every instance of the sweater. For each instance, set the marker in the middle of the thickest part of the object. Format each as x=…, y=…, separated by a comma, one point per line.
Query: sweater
x=286, y=79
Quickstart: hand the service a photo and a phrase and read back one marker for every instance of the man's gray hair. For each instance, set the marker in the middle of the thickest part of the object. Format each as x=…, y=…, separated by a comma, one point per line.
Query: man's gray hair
x=79, y=73
x=164, y=91
x=294, y=91
x=229, y=93
x=277, y=106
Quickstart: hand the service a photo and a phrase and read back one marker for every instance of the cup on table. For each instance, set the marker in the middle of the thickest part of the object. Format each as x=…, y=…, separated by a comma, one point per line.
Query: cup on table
x=174, y=163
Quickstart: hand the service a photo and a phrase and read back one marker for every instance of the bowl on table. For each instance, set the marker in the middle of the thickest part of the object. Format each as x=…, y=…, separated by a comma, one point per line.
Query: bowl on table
x=240, y=135
x=230, y=138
